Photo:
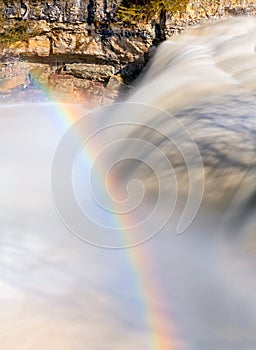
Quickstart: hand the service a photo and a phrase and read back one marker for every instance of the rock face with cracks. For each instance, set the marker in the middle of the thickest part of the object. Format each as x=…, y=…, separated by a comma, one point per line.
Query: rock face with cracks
x=71, y=58
x=81, y=52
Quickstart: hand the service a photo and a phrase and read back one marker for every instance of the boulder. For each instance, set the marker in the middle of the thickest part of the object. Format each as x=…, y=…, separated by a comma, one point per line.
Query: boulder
x=95, y=72
x=13, y=82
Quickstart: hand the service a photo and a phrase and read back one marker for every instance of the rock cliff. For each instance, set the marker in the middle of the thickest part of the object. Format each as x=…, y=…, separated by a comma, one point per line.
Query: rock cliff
x=74, y=59
x=81, y=52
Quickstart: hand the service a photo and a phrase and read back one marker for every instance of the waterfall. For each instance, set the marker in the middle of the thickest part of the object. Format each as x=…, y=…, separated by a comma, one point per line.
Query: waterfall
x=133, y=226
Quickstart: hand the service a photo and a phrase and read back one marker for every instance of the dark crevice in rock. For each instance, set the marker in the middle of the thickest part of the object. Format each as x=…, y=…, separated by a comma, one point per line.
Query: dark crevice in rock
x=91, y=9
x=68, y=58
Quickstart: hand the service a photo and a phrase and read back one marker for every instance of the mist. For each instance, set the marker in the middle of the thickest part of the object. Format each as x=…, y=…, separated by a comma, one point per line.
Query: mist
x=91, y=258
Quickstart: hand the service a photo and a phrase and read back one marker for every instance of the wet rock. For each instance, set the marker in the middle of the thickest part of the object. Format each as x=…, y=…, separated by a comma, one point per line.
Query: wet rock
x=38, y=73
x=115, y=82
x=95, y=72
x=13, y=82
x=62, y=83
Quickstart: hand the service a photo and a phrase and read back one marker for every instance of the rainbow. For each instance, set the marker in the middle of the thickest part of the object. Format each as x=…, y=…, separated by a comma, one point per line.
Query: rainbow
x=160, y=328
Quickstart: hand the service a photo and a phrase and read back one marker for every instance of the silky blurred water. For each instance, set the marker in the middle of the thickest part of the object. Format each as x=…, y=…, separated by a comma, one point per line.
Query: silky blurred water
x=194, y=290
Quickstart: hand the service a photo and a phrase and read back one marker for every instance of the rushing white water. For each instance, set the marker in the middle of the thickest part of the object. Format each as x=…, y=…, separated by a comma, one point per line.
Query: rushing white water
x=196, y=289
